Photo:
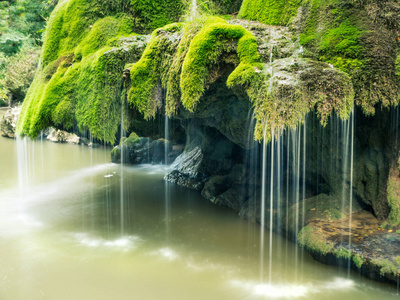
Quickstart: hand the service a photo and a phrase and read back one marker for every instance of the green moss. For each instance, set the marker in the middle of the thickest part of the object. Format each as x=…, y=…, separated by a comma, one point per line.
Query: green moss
x=393, y=198
x=80, y=81
x=273, y=12
x=358, y=260
x=397, y=259
x=358, y=37
x=184, y=61
x=148, y=72
x=310, y=238
x=206, y=50
x=341, y=47
x=149, y=15
x=387, y=267
x=185, y=71
x=342, y=253
x=103, y=31
x=398, y=74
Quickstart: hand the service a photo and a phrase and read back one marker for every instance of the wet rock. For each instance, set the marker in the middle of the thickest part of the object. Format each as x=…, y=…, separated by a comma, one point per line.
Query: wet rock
x=8, y=123
x=365, y=246
x=61, y=136
x=143, y=150
x=186, y=170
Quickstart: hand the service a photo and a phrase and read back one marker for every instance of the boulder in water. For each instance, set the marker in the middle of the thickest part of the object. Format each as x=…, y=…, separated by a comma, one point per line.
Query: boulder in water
x=143, y=150
x=8, y=124
x=61, y=136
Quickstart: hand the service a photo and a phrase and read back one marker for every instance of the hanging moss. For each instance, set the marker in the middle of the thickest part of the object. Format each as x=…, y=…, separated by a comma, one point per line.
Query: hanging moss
x=148, y=72
x=184, y=60
x=357, y=37
x=80, y=81
x=358, y=260
x=206, y=50
x=149, y=15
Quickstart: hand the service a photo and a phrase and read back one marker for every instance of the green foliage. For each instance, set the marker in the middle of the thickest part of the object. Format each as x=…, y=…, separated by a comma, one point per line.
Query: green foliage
x=21, y=25
x=21, y=20
x=358, y=260
x=310, y=238
x=272, y=12
x=19, y=72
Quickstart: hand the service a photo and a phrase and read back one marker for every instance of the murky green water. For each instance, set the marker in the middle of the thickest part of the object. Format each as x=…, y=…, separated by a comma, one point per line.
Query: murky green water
x=61, y=237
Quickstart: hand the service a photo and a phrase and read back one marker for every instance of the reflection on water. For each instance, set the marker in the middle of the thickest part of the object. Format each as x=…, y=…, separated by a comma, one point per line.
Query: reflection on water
x=62, y=239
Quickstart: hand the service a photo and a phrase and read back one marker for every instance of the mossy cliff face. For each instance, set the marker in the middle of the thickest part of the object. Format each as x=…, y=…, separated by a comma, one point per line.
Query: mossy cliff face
x=79, y=82
x=184, y=60
x=359, y=37
x=86, y=47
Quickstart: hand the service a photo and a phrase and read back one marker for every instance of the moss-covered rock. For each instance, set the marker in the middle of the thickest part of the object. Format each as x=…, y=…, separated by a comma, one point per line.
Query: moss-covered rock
x=393, y=197
x=187, y=59
x=358, y=37
x=79, y=82
x=272, y=12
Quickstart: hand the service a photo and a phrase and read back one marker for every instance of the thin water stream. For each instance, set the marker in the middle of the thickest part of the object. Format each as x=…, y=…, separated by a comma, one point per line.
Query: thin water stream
x=60, y=237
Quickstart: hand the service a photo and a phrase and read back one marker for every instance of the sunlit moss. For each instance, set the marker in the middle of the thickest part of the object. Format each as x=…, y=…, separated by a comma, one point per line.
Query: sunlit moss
x=273, y=12
x=358, y=260
x=310, y=238
x=386, y=266
x=79, y=82
x=393, y=198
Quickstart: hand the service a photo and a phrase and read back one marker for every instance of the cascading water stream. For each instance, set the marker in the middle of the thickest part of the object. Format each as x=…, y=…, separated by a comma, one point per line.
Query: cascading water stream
x=271, y=207
x=193, y=10
x=122, y=175
x=167, y=191
x=352, y=137
x=263, y=196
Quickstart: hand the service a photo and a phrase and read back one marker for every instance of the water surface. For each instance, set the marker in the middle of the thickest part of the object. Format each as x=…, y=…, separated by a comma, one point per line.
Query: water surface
x=61, y=237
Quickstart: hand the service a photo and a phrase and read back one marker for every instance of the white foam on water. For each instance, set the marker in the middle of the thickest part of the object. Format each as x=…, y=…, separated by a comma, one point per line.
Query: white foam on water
x=166, y=253
x=127, y=243
x=272, y=291
x=56, y=188
x=291, y=291
x=339, y=283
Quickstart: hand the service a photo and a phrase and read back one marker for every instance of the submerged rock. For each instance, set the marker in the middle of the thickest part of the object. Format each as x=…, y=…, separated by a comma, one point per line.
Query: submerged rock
x=8, y=124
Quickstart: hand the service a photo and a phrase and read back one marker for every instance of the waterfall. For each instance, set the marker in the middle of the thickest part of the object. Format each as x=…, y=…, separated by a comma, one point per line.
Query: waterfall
x=23, y=167
x=167, y=191
x=271, y=200
x=122, y=174
x=263, y=196
x=193, y=10
x=352, y=121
